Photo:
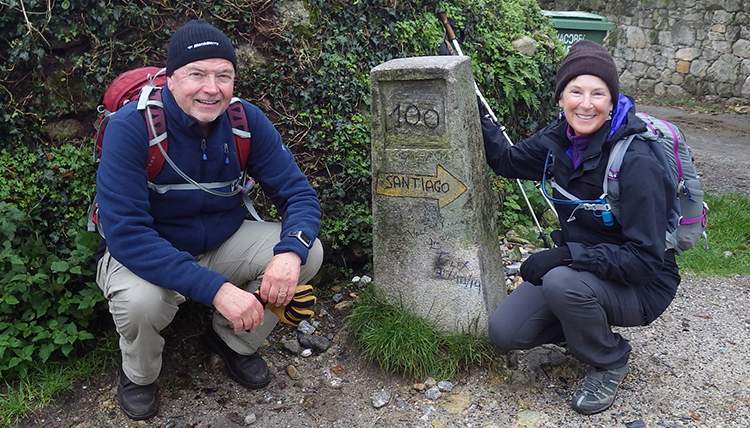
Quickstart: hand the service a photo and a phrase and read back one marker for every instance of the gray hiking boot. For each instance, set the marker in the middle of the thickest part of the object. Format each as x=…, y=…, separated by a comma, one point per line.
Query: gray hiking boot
x=597, y=391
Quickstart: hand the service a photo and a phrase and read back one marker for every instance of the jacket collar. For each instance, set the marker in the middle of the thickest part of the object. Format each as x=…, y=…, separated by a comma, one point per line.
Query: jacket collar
x=177, y=116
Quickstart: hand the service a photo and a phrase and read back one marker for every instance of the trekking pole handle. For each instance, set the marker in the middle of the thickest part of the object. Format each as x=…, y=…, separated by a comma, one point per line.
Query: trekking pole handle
x=443, y=17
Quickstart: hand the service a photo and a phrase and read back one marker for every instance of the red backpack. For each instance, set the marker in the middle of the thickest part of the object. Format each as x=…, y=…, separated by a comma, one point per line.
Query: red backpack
x=143, y=85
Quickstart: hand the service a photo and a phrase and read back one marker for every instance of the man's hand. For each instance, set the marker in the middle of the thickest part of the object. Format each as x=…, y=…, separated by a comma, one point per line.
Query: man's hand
x=299, y=309
x=280, y=279
x=241, y=308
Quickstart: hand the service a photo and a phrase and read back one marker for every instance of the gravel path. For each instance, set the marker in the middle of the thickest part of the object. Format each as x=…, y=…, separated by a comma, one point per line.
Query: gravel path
x=690, y=368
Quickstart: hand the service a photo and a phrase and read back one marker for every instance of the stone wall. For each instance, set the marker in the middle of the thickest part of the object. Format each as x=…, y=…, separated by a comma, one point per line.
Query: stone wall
x=677, y=48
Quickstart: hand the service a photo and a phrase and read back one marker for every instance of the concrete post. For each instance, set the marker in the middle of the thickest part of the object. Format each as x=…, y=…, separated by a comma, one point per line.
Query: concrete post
x=436, y=250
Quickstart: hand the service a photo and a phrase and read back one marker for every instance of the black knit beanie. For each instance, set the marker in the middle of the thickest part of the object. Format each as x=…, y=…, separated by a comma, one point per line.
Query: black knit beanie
x=195, y=41
x=587, y=57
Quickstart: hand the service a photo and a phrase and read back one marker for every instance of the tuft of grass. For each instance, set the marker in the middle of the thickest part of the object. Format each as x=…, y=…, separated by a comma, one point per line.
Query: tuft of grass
x=401, y=342
x=728, y=232
x=45, y=382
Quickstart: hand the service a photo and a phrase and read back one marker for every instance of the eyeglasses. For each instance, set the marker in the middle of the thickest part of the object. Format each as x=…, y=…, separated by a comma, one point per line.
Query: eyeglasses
x=202, y=77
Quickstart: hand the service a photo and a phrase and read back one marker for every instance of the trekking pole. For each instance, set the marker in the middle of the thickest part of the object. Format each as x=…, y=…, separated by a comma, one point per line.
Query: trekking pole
x=451, y=36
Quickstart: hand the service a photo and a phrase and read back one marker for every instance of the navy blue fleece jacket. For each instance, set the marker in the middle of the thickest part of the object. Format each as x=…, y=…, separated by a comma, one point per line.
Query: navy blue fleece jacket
x=156, y=236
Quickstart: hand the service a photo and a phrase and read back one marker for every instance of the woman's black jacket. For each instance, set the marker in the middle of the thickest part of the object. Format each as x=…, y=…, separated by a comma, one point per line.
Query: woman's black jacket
x=632, y=251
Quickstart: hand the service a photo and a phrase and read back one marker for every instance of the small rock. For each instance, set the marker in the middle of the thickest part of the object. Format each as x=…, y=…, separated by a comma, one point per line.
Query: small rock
x=516, y=254
x=291, y=346
x=430, y=382
x=419, y=386
x=427, y=411
x=306, y=353
x=636, y=424
x=512, y=269
x=250, y=419
x=337, y=370
x=364, y=281
x=343, y=305
x=445, y=386
x=305, y=328
x=433, y=393
x=337, y=298
x=381, y=399
x=334, y=382
x=293, y=373
x=317, y=343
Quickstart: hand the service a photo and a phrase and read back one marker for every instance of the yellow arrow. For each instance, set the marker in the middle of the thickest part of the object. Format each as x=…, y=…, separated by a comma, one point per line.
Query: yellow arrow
x=443, y=186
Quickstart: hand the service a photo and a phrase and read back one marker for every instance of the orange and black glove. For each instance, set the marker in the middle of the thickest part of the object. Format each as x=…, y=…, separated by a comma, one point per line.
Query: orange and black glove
x=299, y=309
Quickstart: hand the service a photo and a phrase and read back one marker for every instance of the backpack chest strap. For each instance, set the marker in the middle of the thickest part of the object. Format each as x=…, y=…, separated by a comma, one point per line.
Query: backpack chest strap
x=234, y=185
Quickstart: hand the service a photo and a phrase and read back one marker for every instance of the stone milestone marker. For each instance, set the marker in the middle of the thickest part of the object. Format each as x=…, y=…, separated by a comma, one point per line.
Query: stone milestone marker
x=436, y=250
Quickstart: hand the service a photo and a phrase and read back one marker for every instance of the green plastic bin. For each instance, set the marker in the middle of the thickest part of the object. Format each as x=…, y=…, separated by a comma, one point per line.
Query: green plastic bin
x=573, y=26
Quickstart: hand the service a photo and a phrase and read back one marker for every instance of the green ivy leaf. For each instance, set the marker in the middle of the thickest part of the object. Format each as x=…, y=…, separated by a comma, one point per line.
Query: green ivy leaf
x=60, y=266
x=11, y=300
x=45, y=351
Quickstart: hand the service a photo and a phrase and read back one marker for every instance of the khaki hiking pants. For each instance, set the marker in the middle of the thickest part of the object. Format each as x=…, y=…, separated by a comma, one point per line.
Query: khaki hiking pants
x=141, y=309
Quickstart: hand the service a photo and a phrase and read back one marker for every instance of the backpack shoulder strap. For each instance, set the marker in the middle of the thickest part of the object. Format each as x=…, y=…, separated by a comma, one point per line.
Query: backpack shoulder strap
x=611, y=184
x=240, y=130
x=150, y=102
x=242, y=140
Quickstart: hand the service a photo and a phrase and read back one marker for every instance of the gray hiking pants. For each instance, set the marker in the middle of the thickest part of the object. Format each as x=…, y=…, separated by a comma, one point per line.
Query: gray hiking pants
x=141, y=309
x=570, y=306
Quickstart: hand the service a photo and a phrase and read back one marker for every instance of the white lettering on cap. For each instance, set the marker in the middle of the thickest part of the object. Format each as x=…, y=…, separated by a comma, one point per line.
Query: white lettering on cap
x=201, y=44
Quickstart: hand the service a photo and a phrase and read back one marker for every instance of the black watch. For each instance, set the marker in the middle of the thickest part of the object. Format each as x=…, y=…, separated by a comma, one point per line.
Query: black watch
x=301, y=237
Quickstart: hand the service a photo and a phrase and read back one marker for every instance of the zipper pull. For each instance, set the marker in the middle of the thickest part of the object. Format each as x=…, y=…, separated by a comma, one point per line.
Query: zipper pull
x=226, y=154
x=203, y=147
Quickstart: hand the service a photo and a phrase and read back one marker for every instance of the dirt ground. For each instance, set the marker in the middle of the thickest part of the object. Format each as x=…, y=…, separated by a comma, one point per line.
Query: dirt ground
x=334, y=388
